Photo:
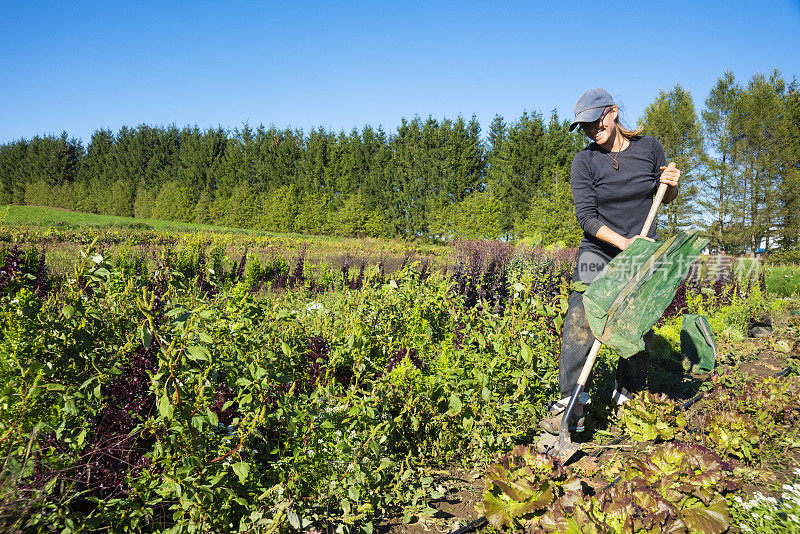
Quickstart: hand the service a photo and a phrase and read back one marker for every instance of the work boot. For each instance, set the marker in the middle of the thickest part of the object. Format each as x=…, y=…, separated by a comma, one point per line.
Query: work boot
x=621, y=396
x=552, y=423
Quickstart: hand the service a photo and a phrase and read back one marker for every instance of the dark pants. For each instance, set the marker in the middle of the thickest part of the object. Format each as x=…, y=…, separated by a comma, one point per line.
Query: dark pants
x=577, y=340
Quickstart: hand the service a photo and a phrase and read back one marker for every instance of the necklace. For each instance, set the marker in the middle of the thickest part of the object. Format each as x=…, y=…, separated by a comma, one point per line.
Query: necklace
x=615, y=165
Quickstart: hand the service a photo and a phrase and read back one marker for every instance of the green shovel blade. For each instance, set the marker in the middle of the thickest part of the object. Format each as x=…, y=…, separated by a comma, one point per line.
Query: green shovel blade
x=632, y=292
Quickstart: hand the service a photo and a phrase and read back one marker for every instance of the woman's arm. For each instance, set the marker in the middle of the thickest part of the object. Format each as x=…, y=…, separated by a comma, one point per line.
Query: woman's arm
x=584, y=195
x=610, y=236
x=670, y=175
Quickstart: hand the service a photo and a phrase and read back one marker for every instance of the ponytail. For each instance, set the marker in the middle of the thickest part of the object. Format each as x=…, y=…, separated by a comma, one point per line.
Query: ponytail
x=630, y=134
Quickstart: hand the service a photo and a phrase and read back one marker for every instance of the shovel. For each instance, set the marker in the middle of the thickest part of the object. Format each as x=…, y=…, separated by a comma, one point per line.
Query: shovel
x=564, y=448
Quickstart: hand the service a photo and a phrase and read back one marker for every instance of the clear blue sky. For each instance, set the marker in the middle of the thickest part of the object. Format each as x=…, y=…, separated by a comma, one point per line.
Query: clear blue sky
x=81, y=66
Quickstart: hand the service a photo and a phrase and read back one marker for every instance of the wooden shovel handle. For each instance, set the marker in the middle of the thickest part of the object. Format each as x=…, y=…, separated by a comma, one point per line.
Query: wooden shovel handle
x=662, y=189
x=589, y=363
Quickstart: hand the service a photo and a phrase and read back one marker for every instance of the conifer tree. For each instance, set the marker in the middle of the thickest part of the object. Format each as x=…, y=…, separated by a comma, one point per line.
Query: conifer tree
x=12, y=172
x=765, y=153
x=522, y=165
x=671, y=118
x=718, y=181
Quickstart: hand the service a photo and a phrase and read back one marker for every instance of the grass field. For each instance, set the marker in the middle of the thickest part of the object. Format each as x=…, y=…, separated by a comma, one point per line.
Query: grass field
x=44, y=216
x=63, y=233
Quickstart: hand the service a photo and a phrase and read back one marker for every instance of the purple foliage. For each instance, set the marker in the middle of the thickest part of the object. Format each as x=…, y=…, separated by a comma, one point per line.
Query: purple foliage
x=16, y=264
x=298, y=276
x=343, y=374
x=315, y=365
x=284, y=279
x=317, y=356
x=425, y=269
x=479, y=273
x=115, y=450
x=359, y=282
x=239, y=270
x=350, y=283
x=400, y=354
x=222, y=395
x=202, y=281
x=41, y=286
x=10, y=269
x=553, y=268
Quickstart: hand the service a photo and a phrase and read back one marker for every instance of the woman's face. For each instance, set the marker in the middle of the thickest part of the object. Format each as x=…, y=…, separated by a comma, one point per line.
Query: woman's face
x=603, y=129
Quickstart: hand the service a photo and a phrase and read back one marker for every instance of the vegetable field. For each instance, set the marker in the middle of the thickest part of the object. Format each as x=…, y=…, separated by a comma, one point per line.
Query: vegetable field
x=205, y=382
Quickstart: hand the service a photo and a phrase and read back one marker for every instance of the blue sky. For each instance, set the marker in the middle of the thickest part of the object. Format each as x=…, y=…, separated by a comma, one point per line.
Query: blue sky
x=81, y=66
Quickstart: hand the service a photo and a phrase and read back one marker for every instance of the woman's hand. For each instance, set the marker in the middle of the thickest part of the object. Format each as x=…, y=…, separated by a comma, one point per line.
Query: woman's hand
x=610, y=236
x=670, y=174
x=632, y=239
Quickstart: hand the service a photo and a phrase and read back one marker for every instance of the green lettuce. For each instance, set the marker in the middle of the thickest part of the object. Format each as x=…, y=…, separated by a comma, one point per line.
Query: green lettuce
x=523, y=485
x=649, y=417
x=733, y=434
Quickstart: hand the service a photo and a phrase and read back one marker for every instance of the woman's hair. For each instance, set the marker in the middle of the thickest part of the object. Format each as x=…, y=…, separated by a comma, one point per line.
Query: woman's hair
x=630, y=134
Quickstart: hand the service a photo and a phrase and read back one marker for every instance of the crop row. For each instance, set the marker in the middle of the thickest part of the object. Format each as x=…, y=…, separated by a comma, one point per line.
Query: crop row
x=185, y=390
x=681, y=476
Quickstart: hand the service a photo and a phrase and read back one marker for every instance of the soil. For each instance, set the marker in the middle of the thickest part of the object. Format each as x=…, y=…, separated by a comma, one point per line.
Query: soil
x=756, y=357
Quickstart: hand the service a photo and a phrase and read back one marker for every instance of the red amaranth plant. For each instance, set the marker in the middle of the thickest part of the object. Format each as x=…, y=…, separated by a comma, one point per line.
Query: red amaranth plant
x=10, y=270
x=400, y=354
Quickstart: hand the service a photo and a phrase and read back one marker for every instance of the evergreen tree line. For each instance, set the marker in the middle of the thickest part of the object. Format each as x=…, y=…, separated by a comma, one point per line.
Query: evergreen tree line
x=431, y=179
x=739, y=161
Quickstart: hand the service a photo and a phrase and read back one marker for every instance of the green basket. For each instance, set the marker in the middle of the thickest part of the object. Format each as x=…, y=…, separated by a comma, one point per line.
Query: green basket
x=698, y=346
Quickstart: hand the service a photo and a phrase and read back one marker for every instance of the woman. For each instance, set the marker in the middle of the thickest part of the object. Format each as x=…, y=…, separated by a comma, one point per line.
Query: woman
x=614, y=180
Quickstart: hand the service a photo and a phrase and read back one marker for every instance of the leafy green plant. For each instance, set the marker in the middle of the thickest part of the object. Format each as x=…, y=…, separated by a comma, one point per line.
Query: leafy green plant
x=180, y=393
x=192, y=395
x=693, y=479
x=783, y=281
x=523, y=486
x=629, y=506
x=768, y=401
x=649, y=416
x=733, y=434
x=675, y=487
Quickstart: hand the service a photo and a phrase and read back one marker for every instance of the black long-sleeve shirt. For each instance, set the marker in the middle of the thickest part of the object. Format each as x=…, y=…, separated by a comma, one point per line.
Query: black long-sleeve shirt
x=619, y=199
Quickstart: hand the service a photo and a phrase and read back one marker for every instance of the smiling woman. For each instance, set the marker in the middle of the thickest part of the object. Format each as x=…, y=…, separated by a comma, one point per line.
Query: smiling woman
x=614, y=180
